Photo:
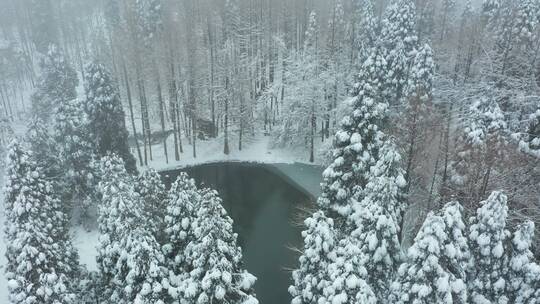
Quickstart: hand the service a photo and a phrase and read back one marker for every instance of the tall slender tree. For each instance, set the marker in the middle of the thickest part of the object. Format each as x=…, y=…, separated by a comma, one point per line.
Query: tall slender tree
x=107, y=122
x=214, y=251
x=41, y=259
x=486, y=281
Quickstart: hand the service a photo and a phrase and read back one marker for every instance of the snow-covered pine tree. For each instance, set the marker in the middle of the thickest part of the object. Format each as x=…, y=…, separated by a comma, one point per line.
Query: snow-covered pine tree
x=107, y=125
x=44, y=149
x=75, y=152
x=488, y=236
x=357, y=142
x=217, y=274
x=399, y=37
x=436, y=262
x=6, y=136
x=365, y=32
x=57, y=83
x=530, y=141
x=153, y=195
x=17, y=163
x=377, y=220
x=420, y=81
x=183, y=201
x=41, y=260
x=457, y=254
x=515, y=36
x=140, y=275
x=129, y=258
x=347, y=275
x=524, y=275
x=480, y=148
x=311, y=279
x=399, y=26
x=423, y=279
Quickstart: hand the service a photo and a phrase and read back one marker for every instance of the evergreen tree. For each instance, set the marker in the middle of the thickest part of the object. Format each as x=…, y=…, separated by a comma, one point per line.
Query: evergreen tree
x=377, y=218
x=347, y=275
x=311, y=278
x=480, y=148
x=434, y=271
x=514, y=33
x=530, y=142
x=365, y=30
x=41, y=259
x=401, y=42
x=129, y=258
x=152, y=191
x=183, y=201
x=139, y=273
x=524, y=274
x=57, y=83
x=359, y=139
x=75, y=153
x=17, y=165
x=487, y=236
x=217, y=274
x=457, y=254
x=420, y=82
x=44, y=148
x=106, y=117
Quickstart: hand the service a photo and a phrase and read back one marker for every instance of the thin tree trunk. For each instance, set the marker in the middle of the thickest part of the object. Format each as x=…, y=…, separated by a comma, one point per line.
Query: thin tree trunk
x=130, y=102
x=162, y=117
x=312, y=135
x=444, y=185
x=226, y=124
x=173, y=105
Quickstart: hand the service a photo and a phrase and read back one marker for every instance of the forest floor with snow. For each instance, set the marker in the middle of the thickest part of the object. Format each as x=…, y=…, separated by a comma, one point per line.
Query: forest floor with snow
x=257, y=149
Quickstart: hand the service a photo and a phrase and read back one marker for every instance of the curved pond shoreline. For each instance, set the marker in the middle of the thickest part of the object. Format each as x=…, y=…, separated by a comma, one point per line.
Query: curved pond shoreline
x=306, y=177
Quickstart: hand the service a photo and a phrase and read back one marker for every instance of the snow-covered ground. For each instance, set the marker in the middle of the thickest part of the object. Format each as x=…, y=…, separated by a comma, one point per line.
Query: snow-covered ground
x=289, y=163
x=254, y=150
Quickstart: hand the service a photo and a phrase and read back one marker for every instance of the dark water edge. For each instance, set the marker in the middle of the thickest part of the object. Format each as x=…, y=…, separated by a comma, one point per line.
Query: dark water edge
x=267, y=210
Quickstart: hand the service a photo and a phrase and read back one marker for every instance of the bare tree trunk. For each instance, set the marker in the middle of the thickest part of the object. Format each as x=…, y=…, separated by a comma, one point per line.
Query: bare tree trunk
x=130, y=102
x=212, y=101
x=312, y=134
x=173, y=105
x=444, y=186
x=190, y=40
x=411, y=149
x=162, y=116
x=226, y=124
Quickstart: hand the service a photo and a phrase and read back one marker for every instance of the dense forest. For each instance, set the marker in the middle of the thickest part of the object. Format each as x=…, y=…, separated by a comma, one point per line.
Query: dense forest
x=426, y=114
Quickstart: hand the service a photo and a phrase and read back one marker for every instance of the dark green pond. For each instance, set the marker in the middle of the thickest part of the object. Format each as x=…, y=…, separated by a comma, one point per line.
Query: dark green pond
x=266, y=210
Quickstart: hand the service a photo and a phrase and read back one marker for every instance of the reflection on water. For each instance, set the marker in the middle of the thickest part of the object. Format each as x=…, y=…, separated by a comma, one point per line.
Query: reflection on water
x=266, y=211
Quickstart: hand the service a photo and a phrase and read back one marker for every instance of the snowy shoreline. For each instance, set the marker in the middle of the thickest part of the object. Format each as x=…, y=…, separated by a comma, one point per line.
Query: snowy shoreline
x=305, y=177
